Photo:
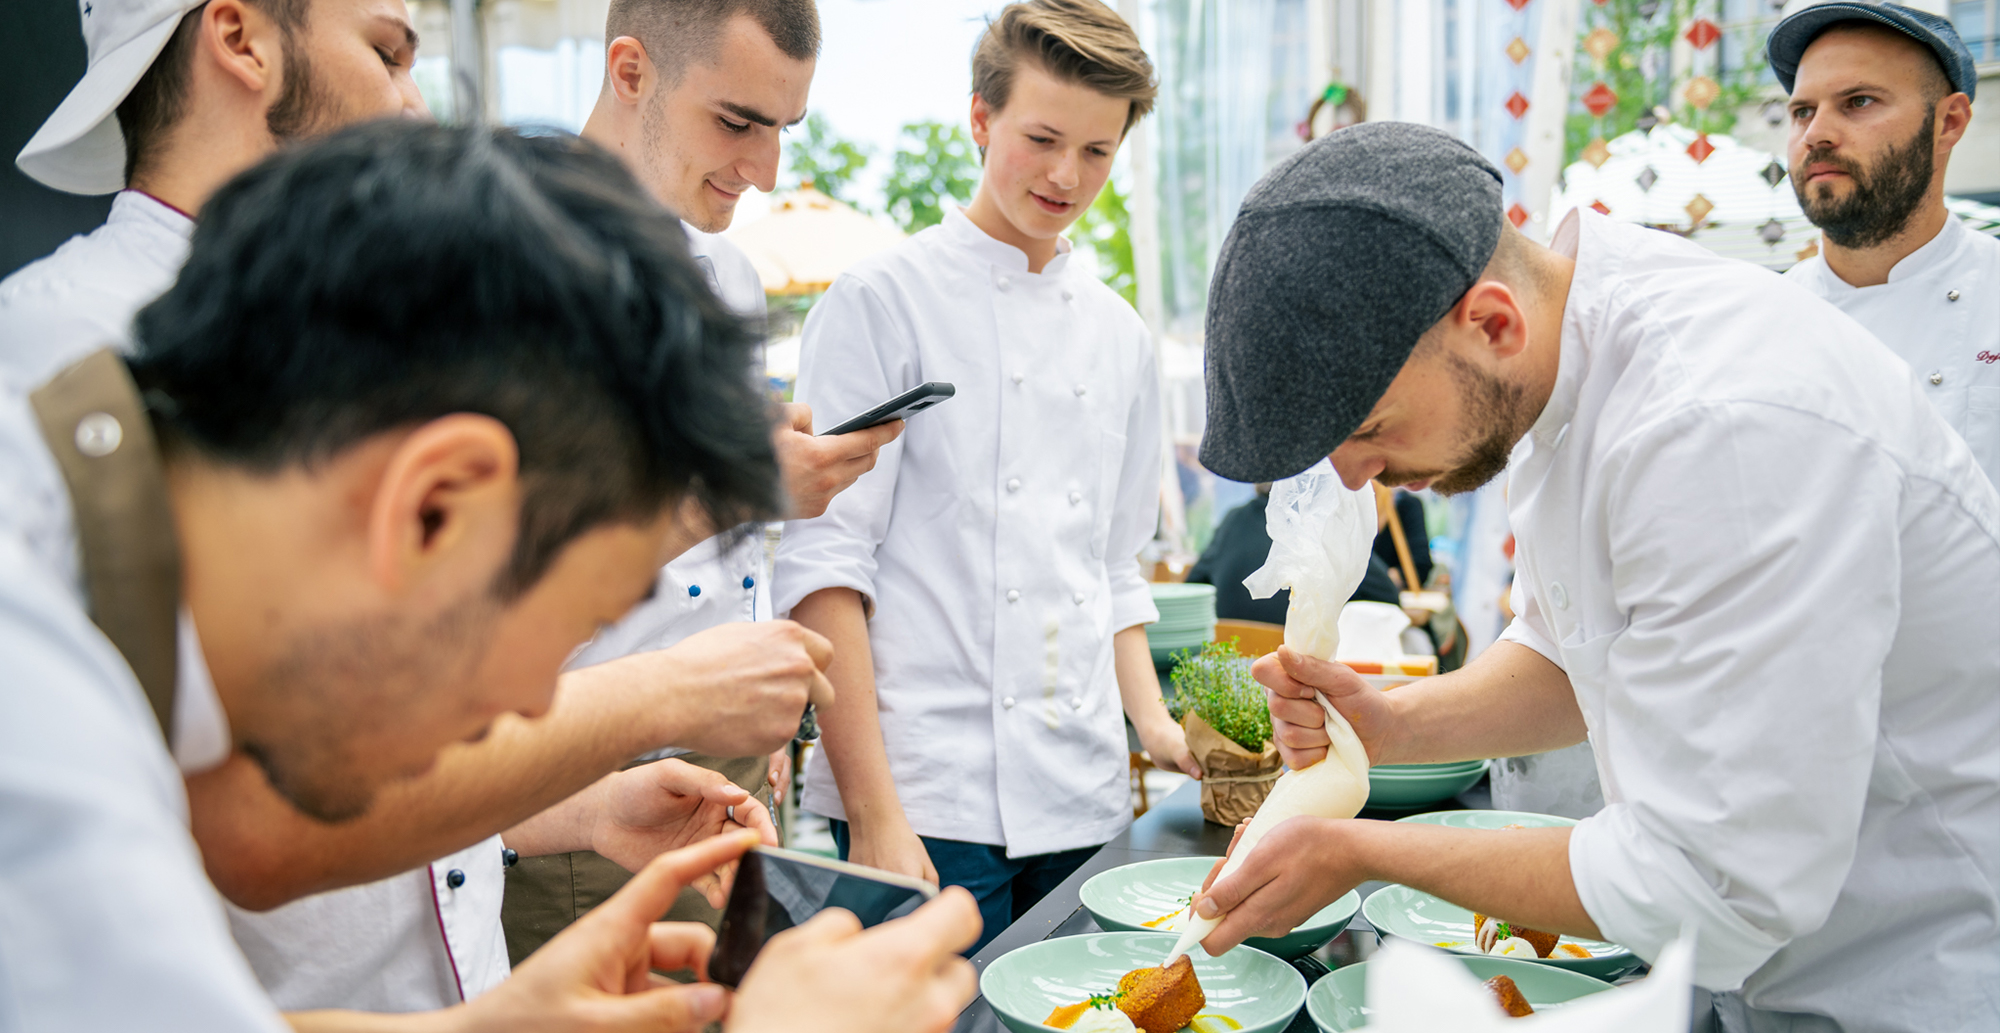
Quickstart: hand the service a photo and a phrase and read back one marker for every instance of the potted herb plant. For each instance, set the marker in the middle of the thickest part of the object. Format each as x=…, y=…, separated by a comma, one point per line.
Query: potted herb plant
x=1228, y=727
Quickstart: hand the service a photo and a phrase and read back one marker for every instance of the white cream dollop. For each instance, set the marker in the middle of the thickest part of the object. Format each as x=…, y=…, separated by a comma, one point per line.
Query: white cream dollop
x=1514, y=947
x=1103, y=1020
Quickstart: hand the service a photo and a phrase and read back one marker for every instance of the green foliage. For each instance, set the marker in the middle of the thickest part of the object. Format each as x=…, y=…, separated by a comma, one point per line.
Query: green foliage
x=934, y=165
x=1648, y=43
x=1104, y=228
x=1215, y=682
x=825, y=160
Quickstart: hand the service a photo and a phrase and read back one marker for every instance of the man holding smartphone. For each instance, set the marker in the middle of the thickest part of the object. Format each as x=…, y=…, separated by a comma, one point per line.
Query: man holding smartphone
x=696, y=94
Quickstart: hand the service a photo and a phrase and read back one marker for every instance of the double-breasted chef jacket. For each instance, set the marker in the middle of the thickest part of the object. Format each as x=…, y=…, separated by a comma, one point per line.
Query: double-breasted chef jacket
x=1771, y=572
x=996, y=541
x=1940, y=311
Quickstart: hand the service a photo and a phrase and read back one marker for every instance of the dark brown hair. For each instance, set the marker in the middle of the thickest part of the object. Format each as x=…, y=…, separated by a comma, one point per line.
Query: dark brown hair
x=159, y=98
x=1077, y=41
x=677, y=33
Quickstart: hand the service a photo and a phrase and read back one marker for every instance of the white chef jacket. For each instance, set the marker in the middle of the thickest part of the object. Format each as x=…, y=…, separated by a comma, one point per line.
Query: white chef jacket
x=997, y=539
x=57, y=309
x=1772, y=574
x=107, y=920
x=1940, y=311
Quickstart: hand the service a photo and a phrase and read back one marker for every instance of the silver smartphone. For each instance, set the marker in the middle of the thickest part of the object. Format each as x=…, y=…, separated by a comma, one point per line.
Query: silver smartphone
x=777, y=889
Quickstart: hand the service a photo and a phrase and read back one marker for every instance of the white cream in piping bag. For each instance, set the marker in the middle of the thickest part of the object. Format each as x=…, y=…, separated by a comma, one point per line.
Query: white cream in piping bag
x=1321, y=535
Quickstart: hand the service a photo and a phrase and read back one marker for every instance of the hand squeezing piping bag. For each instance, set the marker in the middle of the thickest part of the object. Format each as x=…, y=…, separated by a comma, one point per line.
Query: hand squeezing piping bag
x=1321, y=534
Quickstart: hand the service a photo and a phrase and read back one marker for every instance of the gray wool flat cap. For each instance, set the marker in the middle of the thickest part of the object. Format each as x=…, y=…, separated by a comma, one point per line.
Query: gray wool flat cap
x=1340, y=259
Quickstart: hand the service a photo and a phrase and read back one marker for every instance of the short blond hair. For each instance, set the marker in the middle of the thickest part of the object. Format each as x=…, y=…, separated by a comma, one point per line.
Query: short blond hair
x=1077, y=41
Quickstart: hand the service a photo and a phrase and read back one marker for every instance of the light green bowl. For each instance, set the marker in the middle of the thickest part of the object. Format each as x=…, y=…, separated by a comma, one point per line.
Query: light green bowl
x=1489, y=819
x=1339, y=1002
x=1398, y=787
x=1421, y=918
x=1255, y=989
x=1127, y=897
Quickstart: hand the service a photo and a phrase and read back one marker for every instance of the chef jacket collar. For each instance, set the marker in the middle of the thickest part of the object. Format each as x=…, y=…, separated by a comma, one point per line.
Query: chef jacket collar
x=964, y=233
x=1937, y=250
x=1573, y=361
x=201, y=726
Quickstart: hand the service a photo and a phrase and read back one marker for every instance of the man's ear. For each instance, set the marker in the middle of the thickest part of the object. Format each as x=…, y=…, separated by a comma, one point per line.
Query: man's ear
x=451, y=488
x=243, y=42
x=982, y=121
x=1954, y=114
x=628, y=68
x=1493, y=310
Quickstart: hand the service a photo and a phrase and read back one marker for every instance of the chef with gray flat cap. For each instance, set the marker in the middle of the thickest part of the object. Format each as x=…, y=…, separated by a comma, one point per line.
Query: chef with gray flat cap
x=1880, y=97
x=1758, y=572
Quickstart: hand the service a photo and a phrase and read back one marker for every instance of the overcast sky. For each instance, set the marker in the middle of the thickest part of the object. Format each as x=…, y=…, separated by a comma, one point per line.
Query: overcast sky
x=884, y=63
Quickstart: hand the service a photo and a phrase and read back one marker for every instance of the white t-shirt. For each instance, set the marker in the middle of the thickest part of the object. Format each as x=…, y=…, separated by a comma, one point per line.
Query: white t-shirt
x=1771, y=573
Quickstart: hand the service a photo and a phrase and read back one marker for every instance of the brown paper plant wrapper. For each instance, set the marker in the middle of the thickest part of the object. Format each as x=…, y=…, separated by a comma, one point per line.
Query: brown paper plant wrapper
x=1234, y=780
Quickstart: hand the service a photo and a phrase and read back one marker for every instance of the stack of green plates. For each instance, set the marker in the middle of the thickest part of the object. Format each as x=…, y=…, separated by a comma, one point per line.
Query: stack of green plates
x=1403, y=786
x=1187, y=619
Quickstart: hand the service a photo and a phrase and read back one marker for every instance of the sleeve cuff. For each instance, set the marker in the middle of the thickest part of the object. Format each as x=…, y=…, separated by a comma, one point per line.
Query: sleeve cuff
x=1130, y=606
x=1519, y=631
x=1641, y=891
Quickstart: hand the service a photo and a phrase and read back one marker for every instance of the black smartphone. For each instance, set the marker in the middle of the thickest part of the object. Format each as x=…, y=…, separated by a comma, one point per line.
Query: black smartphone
x=778, y=889
x=901, y=407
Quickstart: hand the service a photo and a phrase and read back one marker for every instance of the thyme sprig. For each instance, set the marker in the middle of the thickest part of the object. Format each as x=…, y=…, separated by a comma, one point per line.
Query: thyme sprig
x=1215, y=682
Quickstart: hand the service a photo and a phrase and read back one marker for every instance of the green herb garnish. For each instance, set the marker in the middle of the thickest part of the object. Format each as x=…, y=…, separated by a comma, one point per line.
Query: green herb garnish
x=1503, y=931
x=1105, y=1001
x=1215, y=682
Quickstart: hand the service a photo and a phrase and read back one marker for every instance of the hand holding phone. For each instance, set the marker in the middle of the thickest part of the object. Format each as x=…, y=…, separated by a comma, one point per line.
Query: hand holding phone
x=901, y=407
x=776, y=890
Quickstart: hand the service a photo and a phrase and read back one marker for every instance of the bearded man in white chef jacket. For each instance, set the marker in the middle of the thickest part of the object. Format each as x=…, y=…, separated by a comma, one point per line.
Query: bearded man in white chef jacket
x=1761, y=575
x=179, y=96
x=1880, y=96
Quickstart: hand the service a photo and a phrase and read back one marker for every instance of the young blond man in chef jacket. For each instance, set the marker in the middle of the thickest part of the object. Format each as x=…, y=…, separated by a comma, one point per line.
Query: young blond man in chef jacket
x=981, y=586
x=1880, y=96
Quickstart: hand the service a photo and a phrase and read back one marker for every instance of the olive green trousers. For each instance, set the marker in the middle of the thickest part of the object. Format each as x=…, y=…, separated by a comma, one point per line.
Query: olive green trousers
x=545, y=894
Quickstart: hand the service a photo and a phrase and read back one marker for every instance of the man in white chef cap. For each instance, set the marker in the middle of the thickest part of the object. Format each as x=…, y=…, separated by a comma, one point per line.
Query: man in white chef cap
x=178, y=97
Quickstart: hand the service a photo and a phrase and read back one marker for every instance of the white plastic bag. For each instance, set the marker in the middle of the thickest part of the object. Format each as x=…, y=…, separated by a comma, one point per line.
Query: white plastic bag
x=1321, y=537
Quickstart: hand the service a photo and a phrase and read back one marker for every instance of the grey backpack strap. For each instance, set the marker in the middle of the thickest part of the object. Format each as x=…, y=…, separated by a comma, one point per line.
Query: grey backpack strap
x=98, y=431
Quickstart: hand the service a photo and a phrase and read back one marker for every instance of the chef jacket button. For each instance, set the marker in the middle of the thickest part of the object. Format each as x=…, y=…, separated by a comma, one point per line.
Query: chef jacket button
x=1008, y=702
x=1558, y=595
x=1013, y=484
x=749, y=582
x=1076, y=702
x=455, y=878
x=1078, y=597
x=1080, y=390
x=1018, y=378
x=1069, y=296
x=694, y=590
x=1013, y=595
x=1951, y=295
x=509, y=857
x=1075, y=497
x=1004, y=282
x=1937, y=376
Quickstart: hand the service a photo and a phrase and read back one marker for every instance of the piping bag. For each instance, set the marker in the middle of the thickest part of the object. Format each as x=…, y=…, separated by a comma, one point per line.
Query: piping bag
x=1321, y=537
